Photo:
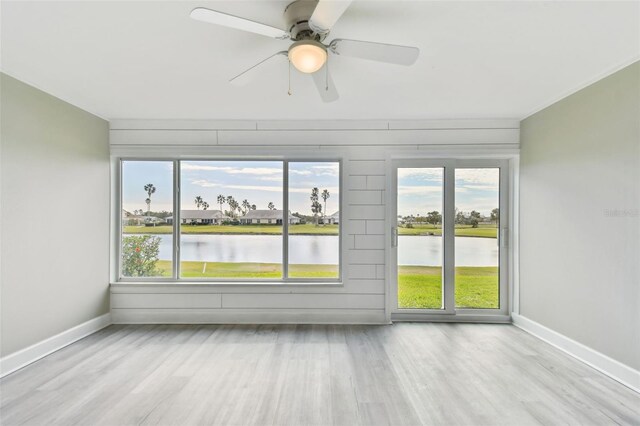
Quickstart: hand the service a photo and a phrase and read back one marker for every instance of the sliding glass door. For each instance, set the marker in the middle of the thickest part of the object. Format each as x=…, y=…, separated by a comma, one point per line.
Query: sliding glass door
x=448, y=237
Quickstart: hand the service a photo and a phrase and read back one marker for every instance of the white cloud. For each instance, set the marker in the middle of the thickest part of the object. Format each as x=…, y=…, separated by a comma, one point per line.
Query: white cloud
x=199, y=167
x=208, y=184
x=233, y=170
x=307, y=190
x=429, y=174
x=329, y=169
x=487, y=176
x=409, y=190
x=478, y=187
x=205, y=183
x=255, y=171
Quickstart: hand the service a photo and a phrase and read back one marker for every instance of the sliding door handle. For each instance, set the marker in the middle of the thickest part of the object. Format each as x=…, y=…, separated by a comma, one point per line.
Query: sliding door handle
x=504, y=238
x=394, y=236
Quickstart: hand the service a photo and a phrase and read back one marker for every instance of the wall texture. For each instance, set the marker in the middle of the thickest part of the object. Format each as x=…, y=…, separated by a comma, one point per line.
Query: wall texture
x=55, y=216
x=579, y=216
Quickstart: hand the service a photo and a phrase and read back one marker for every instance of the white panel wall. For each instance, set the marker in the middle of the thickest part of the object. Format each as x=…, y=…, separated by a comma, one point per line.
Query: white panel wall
x=366, y=149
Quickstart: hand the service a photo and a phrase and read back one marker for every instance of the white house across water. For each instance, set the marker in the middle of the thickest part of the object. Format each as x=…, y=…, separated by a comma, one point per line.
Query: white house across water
x=254, y=217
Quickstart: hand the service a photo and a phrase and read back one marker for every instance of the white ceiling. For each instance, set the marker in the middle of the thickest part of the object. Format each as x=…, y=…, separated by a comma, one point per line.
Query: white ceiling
x=122, y=59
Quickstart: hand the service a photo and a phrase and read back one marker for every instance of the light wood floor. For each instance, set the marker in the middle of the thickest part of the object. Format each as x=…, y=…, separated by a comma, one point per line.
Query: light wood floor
x=402, y=374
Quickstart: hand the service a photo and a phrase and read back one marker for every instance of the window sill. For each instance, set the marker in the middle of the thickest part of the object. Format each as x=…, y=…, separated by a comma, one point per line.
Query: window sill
x=226, y=284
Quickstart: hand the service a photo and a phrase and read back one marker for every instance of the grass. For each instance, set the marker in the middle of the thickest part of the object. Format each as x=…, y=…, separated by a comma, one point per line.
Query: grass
x=306, y=229
x=195, y=269
x=419, y=287
x=484, y=231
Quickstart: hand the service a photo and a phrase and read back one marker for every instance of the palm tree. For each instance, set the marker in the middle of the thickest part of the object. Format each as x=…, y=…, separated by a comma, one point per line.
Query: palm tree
x=316, y=207
x=221, y=200
x=325, y=195
x=271, y=206
x=246, y=206
x=198, y=202
x=149, y=189
x=232, y=205
x=253, y=207
x=205, y=205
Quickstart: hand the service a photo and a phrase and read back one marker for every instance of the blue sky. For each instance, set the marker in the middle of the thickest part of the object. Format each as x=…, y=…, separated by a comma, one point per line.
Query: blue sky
x=136, y=174
x=259, y=182
x=420, y=190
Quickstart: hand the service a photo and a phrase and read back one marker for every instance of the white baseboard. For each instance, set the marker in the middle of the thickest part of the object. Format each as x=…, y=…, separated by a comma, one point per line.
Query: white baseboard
x=459, y=318
x=26, y=356
x=601, y=362
x=247, y=316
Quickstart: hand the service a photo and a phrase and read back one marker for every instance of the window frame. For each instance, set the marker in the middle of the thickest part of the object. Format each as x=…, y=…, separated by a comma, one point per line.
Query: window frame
x=177, y=223
x=449, y=309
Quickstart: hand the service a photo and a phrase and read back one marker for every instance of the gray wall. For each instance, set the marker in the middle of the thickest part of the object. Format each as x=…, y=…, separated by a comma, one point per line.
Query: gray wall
x=55, y=215
x=580, y=225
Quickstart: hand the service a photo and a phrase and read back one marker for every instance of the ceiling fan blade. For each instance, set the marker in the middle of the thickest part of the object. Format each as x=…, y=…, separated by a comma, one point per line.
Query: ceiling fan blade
x=381, y=52
x=326, y=14
x=246, y=76
x=226, y=20
x=324, y=84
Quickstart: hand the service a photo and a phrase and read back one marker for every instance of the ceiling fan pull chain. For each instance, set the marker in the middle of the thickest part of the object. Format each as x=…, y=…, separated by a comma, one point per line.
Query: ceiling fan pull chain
x=289, y=92
x=326, y=76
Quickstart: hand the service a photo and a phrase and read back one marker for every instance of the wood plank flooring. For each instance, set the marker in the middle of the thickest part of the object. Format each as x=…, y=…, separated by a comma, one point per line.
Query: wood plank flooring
x=406, y=373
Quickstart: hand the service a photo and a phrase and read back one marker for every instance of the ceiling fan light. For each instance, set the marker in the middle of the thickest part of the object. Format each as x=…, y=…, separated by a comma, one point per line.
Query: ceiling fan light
x=307, y=56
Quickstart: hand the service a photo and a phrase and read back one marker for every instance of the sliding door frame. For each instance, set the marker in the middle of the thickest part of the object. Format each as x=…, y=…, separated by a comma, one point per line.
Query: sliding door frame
x=449, y=312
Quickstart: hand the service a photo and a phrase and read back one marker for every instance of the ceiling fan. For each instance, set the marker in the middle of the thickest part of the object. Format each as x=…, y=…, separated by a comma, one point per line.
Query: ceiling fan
x=308, y=23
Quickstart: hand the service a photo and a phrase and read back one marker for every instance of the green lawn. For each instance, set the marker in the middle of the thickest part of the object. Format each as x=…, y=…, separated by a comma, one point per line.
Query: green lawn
x=190, y=269
x=419, y=286
x=306, y=229
x=485, y=231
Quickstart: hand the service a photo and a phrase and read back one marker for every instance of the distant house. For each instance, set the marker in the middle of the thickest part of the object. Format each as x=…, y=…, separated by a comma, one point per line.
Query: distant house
x=334, y=219
x=273, y=217
x=200, y=217
x=153, y=221
x=130, y=219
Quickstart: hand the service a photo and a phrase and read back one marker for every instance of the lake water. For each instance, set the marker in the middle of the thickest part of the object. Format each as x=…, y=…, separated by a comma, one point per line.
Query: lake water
x=323, y=249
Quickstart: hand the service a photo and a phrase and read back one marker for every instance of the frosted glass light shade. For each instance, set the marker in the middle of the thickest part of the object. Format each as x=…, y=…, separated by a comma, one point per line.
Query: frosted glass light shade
x=307, y=56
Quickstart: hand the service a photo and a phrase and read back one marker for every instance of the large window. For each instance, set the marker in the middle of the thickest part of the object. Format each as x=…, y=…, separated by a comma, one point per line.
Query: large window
x=147, y=209
x=231, y=219
x=314, y=242
x=234, y=220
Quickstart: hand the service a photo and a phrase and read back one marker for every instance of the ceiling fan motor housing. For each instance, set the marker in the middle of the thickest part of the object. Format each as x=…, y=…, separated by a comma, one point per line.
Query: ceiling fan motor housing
x=297, y=16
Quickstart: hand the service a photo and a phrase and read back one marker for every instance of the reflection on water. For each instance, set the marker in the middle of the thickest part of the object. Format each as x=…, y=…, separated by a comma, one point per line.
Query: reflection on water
x=315, y=249
x=323, y=249
x=427, y=251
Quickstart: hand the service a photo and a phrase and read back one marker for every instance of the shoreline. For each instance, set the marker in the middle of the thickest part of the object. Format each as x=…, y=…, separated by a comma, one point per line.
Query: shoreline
x=294, y=234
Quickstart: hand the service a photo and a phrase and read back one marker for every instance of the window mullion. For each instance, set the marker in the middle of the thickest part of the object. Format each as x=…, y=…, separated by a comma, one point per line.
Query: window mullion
x=176, y=219
x=449, y=236
x=285, y=221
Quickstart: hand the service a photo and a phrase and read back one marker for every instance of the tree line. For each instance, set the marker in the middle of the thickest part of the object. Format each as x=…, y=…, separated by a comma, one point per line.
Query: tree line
x=242, y=208
x=473, y=218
